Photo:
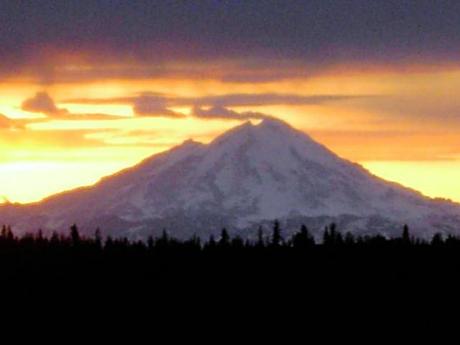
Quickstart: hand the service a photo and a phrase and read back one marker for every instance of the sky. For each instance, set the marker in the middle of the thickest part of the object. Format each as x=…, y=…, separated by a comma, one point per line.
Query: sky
x=90, y=87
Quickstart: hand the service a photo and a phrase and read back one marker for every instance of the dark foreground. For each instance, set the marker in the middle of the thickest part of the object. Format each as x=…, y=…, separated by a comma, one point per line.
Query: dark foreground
x=334, y=279
x=73, y=267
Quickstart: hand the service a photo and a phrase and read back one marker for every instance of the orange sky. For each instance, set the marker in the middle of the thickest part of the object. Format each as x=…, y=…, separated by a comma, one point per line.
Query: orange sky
x=402, y=125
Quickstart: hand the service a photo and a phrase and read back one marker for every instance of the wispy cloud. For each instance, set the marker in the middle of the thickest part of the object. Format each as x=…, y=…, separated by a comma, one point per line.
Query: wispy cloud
x=46, y=139
x=7, y=124
x=155, y=106
x=220, y=112
x=213, y=106
x=155, y=100
x=265, y=99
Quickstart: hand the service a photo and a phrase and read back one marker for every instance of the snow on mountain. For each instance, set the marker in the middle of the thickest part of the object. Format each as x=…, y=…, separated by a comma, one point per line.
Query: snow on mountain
x=246, y=177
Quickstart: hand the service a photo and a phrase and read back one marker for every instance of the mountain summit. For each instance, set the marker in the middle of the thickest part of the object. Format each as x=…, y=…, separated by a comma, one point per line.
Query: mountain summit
x=246, y=177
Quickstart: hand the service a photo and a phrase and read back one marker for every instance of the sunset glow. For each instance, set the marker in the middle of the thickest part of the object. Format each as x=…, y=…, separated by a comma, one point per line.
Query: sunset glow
x=79, y=102
x=365, y=124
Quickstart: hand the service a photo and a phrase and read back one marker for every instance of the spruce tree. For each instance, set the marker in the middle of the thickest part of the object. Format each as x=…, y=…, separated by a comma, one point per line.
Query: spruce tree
x=406, y=235
x=74, y=235
x=224, y=238
x=276, y=237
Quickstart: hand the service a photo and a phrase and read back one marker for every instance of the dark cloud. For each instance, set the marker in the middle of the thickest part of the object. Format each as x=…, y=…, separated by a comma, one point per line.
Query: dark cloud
x=220, y=112
x=319, y=33
x=155, y=104
x=151, y=105
x=42, y=103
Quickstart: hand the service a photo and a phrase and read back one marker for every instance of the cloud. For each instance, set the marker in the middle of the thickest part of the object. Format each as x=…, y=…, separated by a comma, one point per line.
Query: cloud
x=220, y=112
x=45, y=139
x=159, y=105
x=5, y=122
x=265, y=99
x=230, y=100
x=316, y=32
x=377, y=144
x=151, y=105
x=42, y=103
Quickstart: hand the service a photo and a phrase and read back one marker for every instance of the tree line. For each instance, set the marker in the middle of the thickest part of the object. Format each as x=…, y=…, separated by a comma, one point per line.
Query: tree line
x=302, y=239
x=222, y=267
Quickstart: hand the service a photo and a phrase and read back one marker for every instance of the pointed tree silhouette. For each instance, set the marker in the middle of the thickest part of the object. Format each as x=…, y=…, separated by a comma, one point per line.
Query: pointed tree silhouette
x=277, y=239
x=224, y=238
x=74, y=235
x=303, y=239
x=405, y=235
x=98, y=238
x=437, y=240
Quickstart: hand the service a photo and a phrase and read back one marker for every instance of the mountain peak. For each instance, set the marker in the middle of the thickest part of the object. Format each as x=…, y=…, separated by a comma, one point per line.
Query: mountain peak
x=274, y=123
x=248, y=129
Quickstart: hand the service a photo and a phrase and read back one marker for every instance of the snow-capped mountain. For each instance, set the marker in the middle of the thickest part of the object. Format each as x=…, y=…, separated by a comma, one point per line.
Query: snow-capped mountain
x=246, y=177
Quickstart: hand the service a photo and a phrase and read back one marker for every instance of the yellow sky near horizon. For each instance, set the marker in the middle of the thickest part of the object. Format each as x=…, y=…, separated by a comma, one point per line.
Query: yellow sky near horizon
x=402, y=126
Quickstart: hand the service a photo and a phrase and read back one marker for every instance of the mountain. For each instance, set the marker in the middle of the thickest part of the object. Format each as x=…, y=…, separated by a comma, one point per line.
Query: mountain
x=246, y=177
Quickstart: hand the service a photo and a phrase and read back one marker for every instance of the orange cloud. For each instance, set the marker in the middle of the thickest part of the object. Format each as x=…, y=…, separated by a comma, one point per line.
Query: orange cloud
x=5, y=122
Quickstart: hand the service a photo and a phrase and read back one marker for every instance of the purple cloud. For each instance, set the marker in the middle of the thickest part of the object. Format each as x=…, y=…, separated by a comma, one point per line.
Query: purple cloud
x=151, y=105
x=42, y=103
x=220, y=112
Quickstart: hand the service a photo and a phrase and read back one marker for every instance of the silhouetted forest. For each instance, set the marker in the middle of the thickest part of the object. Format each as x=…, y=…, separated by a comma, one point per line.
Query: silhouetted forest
x=271, y=267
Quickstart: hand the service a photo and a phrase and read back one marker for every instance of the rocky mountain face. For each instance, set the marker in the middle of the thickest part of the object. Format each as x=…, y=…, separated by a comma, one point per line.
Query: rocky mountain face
x=246, y=177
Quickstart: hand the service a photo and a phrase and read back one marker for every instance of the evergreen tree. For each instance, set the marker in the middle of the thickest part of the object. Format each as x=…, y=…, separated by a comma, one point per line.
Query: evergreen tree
x=224, y=238
x=276, y=237
x=4, y=232
x=437, y=240
x=74, y=235
x=54, y=238
x=303, y=239
x=98, y=238
x=406, y=235
x=212, y=242
x=163, y=241
x=9, y=233
x=237, y=243
x=349, y=239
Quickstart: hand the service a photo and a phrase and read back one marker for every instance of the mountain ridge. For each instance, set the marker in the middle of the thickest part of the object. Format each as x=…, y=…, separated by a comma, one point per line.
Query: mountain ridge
x=249, y=175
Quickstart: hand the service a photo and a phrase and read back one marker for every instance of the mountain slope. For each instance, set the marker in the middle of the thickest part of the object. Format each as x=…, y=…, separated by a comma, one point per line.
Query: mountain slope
x=248, y=176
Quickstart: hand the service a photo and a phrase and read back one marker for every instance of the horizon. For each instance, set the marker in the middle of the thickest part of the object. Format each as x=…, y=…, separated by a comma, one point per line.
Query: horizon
x=90, y=89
